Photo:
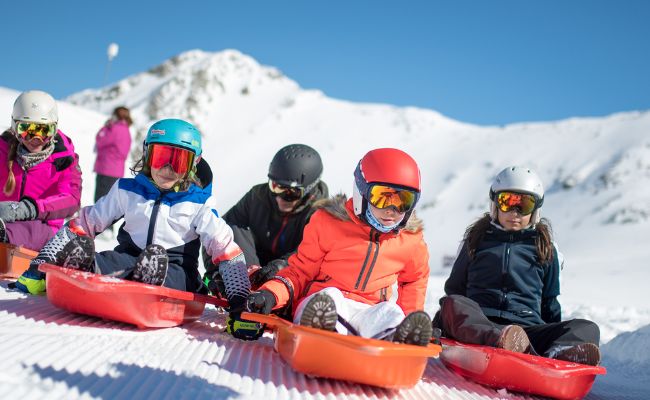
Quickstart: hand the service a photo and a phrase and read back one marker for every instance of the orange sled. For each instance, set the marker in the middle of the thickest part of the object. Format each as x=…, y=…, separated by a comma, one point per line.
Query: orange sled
x=519, y=372
x=352, y=358
x=140, y=304
x=14, y=260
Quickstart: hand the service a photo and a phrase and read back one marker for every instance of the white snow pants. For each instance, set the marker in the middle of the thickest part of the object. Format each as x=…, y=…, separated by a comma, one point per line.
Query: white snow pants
x=367, y=319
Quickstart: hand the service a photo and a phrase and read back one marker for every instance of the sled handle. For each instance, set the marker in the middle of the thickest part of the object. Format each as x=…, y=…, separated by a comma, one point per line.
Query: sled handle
x=203, y=298
x=270, y=320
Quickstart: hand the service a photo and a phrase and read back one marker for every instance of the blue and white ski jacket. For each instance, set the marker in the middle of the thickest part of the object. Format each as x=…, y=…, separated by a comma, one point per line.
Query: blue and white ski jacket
x=178, y=221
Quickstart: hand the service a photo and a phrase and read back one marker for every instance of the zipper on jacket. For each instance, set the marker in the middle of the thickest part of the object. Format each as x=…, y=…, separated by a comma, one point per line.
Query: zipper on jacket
x=374, y=260
x=152, y=219
x=371, y=244
x=274, y=245
x=22, y=185
x=504, y=272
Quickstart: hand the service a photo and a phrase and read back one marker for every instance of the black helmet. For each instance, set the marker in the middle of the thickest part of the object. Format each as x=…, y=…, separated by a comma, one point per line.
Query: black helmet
x=296, y=165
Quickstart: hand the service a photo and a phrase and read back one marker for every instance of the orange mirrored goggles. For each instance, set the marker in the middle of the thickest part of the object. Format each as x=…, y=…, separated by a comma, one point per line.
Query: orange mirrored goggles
x=383, y=196
x=288, y=193
x=29, y=130
x=179, y=159
x=524, y=203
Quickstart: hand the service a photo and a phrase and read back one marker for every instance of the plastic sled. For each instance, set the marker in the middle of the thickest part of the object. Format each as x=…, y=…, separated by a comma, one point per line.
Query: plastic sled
x=352, y=358
x=140, y=304
x=519, y=372
x=14, y=260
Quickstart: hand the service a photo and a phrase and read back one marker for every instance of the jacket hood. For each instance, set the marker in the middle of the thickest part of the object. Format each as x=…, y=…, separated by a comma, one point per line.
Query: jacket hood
x=341, y=208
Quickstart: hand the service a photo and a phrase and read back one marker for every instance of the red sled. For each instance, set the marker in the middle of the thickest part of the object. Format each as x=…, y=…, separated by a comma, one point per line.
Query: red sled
x=140, y=304
x=499, y=368
x=356, y=359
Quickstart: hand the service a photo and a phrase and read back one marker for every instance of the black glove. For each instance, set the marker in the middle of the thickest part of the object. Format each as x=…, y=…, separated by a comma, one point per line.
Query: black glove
x=215, y=285
x=11, y=211
x=267, y=272
x=261, y=302
x=242, y=329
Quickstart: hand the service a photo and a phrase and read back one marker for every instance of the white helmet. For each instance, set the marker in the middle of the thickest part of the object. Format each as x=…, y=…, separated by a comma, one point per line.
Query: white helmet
x=34, y=106
x=521, y=180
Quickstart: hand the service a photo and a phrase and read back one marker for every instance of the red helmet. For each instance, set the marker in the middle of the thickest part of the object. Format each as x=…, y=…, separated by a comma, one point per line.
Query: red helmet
x=392, y=167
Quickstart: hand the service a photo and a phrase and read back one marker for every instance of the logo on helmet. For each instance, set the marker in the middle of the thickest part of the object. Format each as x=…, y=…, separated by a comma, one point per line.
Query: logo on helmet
x=157, y=131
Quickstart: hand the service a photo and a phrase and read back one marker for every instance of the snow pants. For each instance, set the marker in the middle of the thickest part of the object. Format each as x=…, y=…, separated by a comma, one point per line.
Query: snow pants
x=121, y=265
x=368, y=320
x=30, y=234
x=462, y=319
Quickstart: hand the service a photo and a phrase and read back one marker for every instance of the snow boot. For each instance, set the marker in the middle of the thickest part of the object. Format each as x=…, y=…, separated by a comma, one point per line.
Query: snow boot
x=67, y=249
x=514, y=338
x=151, y=265
x=583, y=353
x=415, y=329
x=320, y=312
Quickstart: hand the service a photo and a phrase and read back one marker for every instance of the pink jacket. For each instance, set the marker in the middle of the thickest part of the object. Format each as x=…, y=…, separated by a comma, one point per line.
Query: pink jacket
x=112, y=145
x=54, y=184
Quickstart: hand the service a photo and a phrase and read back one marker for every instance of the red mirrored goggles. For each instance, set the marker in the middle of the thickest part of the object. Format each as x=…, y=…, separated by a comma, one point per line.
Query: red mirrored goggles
x=179, y=159
x=288, y=193
x=524, y=203
x=29, y=130
x=383, y=196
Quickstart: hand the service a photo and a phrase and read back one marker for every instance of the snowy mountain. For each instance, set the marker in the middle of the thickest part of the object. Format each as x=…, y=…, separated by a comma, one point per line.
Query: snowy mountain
x=596, y=170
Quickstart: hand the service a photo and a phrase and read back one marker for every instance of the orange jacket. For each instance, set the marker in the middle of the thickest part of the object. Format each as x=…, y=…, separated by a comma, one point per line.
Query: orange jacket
x=339, y=250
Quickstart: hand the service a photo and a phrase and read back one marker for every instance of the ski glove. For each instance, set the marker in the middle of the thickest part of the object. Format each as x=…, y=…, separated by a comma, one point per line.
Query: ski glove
x=30, y=282
x=24, y=210
x=261, y=302
x=243, y=329
x=215, y=284
x=267, y=272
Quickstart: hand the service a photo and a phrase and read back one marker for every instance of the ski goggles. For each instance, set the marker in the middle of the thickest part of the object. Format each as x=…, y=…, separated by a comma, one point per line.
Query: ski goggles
x=383, y=196
x=30, y=130
x=288, y=193
x=524, y=203
x=179, y=159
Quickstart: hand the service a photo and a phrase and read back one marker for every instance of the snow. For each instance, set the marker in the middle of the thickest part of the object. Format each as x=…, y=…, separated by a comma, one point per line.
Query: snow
x=596, y=172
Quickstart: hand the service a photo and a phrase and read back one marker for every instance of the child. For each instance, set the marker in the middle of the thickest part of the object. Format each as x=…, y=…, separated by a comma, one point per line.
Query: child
x=39, y=173
x=503, y=288
x=354, y=251
x=168, y=213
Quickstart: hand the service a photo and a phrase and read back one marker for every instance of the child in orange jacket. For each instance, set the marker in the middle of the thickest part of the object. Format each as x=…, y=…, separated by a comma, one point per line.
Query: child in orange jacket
x=353, y=252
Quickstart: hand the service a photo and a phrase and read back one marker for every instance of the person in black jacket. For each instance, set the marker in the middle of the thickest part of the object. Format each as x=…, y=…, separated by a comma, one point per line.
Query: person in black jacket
x=503, y=287
x=269, y=220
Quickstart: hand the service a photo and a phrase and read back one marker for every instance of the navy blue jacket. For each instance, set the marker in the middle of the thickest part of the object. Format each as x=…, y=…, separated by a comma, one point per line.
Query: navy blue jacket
x=507, y=280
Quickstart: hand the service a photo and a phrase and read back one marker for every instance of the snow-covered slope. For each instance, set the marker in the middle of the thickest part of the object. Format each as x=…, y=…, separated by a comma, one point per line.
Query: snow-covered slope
x=597, y=174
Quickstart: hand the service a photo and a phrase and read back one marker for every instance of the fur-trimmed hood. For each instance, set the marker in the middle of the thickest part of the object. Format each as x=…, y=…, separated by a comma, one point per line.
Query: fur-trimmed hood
x=336, y=206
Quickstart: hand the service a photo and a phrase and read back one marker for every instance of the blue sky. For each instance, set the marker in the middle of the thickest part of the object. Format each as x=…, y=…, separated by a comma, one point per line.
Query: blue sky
x=485, y=62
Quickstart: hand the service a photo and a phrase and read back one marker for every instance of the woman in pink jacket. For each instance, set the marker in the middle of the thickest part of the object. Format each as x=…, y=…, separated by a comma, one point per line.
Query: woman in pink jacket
x=39, y=173
x=113, y=143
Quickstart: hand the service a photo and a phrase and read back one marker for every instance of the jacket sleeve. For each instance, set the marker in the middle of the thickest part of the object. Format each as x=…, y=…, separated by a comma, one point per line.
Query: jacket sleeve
x=239, y=214
x=68, y=198
x=216, y=236
x=108, y=209
x=304, y=265
x=412, y=280
x=457, y=281
x=551, y=309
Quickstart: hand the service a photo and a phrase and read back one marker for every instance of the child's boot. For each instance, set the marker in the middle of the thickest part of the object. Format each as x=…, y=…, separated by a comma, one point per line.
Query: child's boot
x=583, y=353
x=414, y=329
x=151, y=265
x=320, y=312
x=514, y=338
x=67, y=249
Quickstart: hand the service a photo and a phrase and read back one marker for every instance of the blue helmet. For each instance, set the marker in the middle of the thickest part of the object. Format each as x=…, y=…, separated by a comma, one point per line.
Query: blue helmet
x=175, y=132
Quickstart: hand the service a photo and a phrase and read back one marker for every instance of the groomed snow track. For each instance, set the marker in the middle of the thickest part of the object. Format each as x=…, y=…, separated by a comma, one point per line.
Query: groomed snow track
x=50, y=353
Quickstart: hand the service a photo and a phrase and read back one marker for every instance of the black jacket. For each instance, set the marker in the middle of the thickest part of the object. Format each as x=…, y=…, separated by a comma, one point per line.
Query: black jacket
x=507, y=280
x=276, y=235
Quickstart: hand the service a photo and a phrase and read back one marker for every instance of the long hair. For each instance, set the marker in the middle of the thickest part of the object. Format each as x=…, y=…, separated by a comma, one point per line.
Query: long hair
x=10, y=184
x=543, y=241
